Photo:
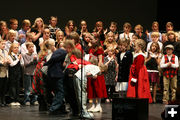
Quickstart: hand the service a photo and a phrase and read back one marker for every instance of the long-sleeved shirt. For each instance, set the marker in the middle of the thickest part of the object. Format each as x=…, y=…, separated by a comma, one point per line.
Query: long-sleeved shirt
x=24, y=49
x=165, y=65
x=14, y=62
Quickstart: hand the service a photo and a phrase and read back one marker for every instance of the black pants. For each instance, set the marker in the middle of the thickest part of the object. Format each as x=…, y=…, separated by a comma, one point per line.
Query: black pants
x=3, y=89
x=110, y=90
x=70, y=95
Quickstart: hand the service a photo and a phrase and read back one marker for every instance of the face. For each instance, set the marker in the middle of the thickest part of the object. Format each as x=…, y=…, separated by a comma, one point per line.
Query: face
x=171, y=37
x=113, y=28
x=110, y=37
x=60, y=37
x=71, y=26
x=155, y=38
x=26, y=27
x=110, y=53
x=155, y=27
x=122, y=47
x=46, y=34
x=53, y=21
x=4, y=27
x=134, y=38
x=68, y=48
x=126, y=29
x=99, y=28
x=39, y=23
x=169, y=28
x=14, y=25
x=2, y=45
x=169, y=51
x=138, y=30
x=153, y=48
x=83, y=25
x=87, y=38
x=15, y=48
x=12, y=37
x=31, y=48
x=94, y=41
x=29, y=38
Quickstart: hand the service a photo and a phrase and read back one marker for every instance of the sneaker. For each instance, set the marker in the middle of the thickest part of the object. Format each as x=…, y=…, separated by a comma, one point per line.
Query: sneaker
x=36, y=103
x=91, y=109
x=27, y=103
x=87, y=115
x=97, y=109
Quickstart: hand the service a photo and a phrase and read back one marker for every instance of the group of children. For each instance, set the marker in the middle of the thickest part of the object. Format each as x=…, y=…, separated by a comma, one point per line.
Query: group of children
x=128, y=63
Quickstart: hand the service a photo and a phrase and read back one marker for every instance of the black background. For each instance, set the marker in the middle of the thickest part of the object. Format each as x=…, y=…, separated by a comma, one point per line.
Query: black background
x=134, y=11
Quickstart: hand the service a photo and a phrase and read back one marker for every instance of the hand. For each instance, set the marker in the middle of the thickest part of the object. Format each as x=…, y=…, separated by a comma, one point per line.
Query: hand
x=94, y=77
x=35, y=57
x=116, y=78
x=19, y=57
x=169, y=64
x=8, y=61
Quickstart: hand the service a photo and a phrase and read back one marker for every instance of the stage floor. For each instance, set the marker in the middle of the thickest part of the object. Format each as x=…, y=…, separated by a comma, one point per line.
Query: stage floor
x=32, y=113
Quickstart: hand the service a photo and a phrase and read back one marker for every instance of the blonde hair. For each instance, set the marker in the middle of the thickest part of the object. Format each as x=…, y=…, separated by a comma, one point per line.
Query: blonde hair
x=35, y=22
x=139, y=26
x=141, y=43
x=103, y=68
x=128, y=25
x=11, y=48
x=29, y=34
x=58, y=33
x=125, y=42
x=29, y=44
x=26, y=22
x=155, y=22
x=155, y=34
x=11, y=32
x=106, y=42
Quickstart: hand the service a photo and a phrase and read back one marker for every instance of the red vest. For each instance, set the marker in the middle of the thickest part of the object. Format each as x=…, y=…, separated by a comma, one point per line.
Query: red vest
x=169, y=72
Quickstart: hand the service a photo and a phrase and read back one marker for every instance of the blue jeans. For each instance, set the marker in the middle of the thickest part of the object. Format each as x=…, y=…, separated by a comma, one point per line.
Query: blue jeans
x=59, y=94
x=27, y=89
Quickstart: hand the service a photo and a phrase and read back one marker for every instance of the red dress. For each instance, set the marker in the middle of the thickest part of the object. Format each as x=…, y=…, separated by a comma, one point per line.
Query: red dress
x=138, y=71
x=96, y=88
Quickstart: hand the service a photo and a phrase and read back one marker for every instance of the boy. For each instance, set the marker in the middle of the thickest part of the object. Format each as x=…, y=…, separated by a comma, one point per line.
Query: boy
x=52, y=27
x=169, y=64
x=89, y=70
x=30, y=61
x=4, y=62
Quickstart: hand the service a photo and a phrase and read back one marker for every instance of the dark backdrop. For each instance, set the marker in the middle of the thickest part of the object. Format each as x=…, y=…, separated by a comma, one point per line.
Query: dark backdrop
x=134, y=11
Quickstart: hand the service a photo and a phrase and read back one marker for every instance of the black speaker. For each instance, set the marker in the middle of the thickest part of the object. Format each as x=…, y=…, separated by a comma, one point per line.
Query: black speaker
x=130, y=109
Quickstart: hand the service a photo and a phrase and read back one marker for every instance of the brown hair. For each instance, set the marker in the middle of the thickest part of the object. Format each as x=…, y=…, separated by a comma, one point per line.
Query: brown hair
x=141, y=43
x=157, y=47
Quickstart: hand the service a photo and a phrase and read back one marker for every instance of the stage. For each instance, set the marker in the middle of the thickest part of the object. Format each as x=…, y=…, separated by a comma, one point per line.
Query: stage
x=32, y=113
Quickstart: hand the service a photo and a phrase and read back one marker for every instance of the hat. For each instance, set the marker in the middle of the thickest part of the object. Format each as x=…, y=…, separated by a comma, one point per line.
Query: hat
x=169, y=46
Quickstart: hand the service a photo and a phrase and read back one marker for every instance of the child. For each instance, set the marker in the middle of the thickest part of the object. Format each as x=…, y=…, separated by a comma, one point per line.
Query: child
x=60, y=39
x=111, y=76
x=88, y=71
x=86, y=40
x=16, y=61
x=70, y=27
x=155, y=38
x=124, y=59
x=52, y=27
x=22, y=32
x=138, y=84
x=3, y=30
x=83, y=28
x=127, y=32
x=29, y=38
x=11, y=39
x=113, y=28
x=110, y=42
x=30, y=60
x=169, y=64
x=152, y=63
x=4, y=62
x=132, y=42
x=139, y=32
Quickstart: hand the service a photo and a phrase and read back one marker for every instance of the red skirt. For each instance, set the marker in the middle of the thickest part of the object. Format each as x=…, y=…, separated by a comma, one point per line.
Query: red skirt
x=141, y=89
x=96, y=88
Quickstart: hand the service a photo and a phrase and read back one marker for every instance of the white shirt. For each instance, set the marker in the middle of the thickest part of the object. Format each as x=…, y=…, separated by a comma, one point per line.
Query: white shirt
x=13, y=63
x=165, y=65
x=123, y=35
x=41, y=40
x=24, y=49
x=8, y=45
x=93, y=69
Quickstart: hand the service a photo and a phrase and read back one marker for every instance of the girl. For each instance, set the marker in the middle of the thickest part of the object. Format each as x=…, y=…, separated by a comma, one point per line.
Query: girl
x=99, y=31
x=110, y=42
x=4, y=62
x=3, y=30
x=83, y=28
x=127, y=32
x=37, y=31
x=132, y=42
x=124, y=59
x=113, y=28
x=59, y=39
x=152, y=62
x=16, y=61
x=111, y=75
x=96, y=87
x=70, y=27
x=14, y=25
x=138, y=84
